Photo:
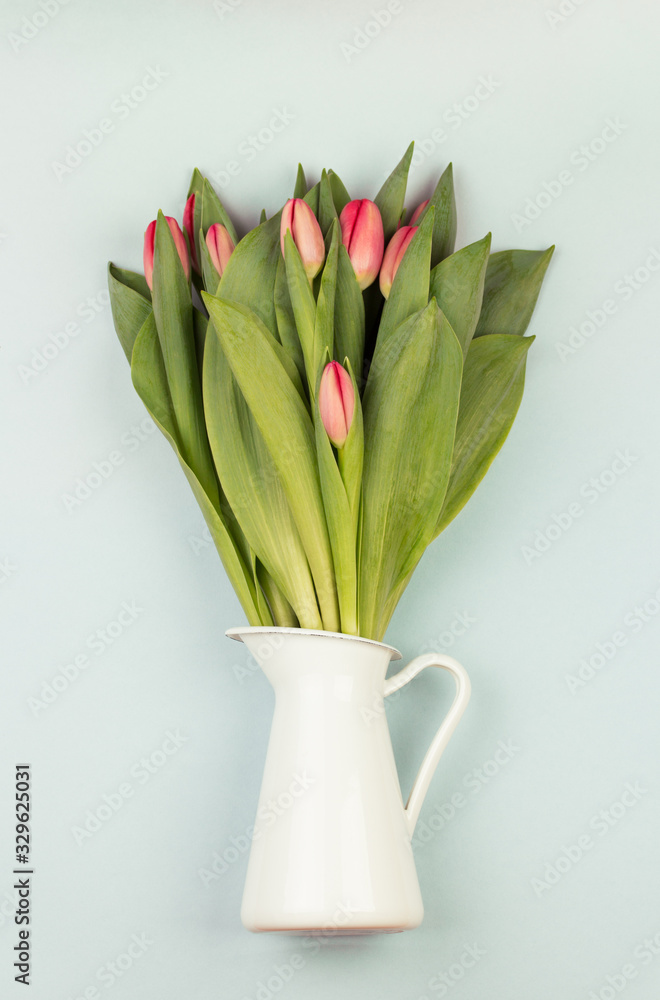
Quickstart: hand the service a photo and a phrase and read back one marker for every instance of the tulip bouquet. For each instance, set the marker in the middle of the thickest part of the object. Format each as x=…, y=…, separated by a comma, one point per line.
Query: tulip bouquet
x=335, y=384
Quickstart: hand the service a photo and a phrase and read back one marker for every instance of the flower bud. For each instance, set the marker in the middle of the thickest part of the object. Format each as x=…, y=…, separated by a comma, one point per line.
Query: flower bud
x=418, y=211
x=189, y=229
x=362, y=235
x=336, y=402
x=306, y=232
x=220, y=246
x=393, y=256
x=150, y=243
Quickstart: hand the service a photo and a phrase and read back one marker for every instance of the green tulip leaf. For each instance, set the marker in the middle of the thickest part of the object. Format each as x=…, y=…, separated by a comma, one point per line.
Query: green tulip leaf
x=513, y=283
x=262, y=603
x=341, y=524
x=312, y=198
x=303, y=305
x=351, y=456
x=410, y=288
x=150, y=381
x=283, y=614
x=327, y=212
x=173, y=312
x=349, y=315
x=410, y=410
x=286, y=323
x=196, y=188
x=493, y=383
x=457, y=285
x=443, y=202
x=288, y=433
x=130, y=302
x=249, y=277
x=200, y=324
x=392, y=195
x=324, y=324
x=213, y=211
x=210, y=277
x=252, y=484
x=340, y=195
x=300, y=188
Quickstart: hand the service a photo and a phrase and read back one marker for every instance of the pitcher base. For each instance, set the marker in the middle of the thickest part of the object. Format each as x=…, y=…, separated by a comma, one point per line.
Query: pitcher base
x=328, y=932
x=333, y=928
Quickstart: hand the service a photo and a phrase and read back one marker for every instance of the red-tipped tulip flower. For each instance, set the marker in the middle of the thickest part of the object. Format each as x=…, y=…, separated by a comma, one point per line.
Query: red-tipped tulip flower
x=149, y=246
x=220, y=246
x=189, y=229
x=393, y=256
x=306, y=232
x=418, y=211
x=336, y=402
x=362, y=235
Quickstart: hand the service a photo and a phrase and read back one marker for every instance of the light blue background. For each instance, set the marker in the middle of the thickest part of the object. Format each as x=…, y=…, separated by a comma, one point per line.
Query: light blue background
x=555, y=81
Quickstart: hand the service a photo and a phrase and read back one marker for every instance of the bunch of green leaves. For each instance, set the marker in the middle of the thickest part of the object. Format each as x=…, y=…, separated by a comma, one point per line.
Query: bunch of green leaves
x=229, y=370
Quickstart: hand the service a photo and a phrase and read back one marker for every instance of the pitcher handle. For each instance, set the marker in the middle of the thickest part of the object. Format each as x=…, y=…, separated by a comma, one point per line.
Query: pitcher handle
x=443, y=735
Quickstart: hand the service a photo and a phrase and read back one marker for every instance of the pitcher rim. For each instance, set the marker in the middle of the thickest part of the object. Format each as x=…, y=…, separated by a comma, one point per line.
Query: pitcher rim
x=239, y=631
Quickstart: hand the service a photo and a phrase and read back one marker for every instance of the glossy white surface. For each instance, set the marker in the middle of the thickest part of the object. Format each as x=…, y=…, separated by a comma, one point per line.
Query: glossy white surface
x=331, y=846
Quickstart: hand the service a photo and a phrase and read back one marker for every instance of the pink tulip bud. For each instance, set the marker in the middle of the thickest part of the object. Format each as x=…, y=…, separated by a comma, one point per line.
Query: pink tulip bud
x=362, y=235
x=149, y=247
x=220, y=246
x=189, y=229
x=298, y=217
x=418, y=211
x=336, y=402
x=393, y=256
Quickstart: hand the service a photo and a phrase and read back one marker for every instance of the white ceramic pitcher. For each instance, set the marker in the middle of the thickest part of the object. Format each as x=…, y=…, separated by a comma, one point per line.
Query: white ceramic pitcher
x=331, y=851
